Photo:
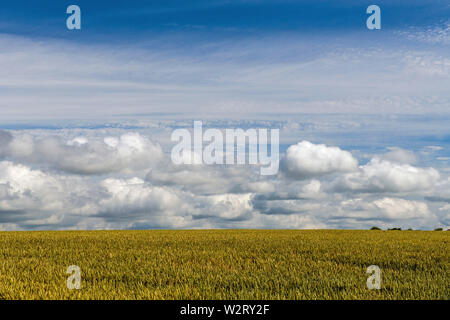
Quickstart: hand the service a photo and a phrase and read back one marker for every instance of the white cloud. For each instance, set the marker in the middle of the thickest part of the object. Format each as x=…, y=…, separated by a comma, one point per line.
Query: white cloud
x=134, y=197
x=437, y=34
x=205, y=179
x=291, y=221
x=400, y=155
x=312, y=188
x=385, y=176
x=385, y=208
x=428, y=65
x=126, y=153
x=401, y=209
x=23, y=189
x=259, y=187
x=42, y=188
x=228, y=206
x=32, y=198
x=305, y=160
x=287, y=207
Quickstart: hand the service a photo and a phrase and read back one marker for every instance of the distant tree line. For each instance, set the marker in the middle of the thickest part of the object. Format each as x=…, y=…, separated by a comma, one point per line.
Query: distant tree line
x=400, y=229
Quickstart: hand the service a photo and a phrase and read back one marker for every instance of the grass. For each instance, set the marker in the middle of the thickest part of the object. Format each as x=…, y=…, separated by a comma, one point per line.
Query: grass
x=224, y=264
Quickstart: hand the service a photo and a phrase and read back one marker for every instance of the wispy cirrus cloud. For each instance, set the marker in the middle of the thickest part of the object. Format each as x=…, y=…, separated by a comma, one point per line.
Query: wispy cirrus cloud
x=58, y=78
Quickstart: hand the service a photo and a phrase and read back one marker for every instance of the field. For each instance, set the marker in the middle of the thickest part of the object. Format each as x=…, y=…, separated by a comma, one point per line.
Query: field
x=225, y=264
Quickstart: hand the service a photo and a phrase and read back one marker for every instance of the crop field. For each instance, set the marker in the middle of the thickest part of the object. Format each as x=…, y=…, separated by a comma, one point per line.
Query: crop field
x=225, y=264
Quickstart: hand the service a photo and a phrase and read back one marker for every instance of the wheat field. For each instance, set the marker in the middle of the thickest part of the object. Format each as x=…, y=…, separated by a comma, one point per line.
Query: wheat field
x=224, y=264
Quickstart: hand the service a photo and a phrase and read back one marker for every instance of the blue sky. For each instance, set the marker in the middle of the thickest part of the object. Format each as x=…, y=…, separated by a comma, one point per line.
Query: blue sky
x=136, y=18
x=81, y=112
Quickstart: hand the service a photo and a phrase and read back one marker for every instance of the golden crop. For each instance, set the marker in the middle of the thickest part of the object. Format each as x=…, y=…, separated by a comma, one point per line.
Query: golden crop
x=224, y=264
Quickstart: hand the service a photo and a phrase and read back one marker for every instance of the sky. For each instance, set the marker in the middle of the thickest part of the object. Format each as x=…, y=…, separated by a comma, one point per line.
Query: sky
x=86, y=115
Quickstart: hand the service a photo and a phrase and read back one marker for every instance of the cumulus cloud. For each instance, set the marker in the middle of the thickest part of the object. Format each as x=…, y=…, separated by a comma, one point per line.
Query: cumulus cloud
x=129, y=152
x=228, y=206
x=84, y=179
x=312, y=189
x=385, y=208
x=202, y=179
x=400, y=155
x=31, y=198
x=305, y=160
x=285, y=207
x=385, y=176
x=264, y=187
x=23, y=189
x=135, y=201
x=5, y=139
x=290, y=221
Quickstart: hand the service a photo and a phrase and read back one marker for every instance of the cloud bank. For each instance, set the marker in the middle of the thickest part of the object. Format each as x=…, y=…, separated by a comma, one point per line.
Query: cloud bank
x=93, y=180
